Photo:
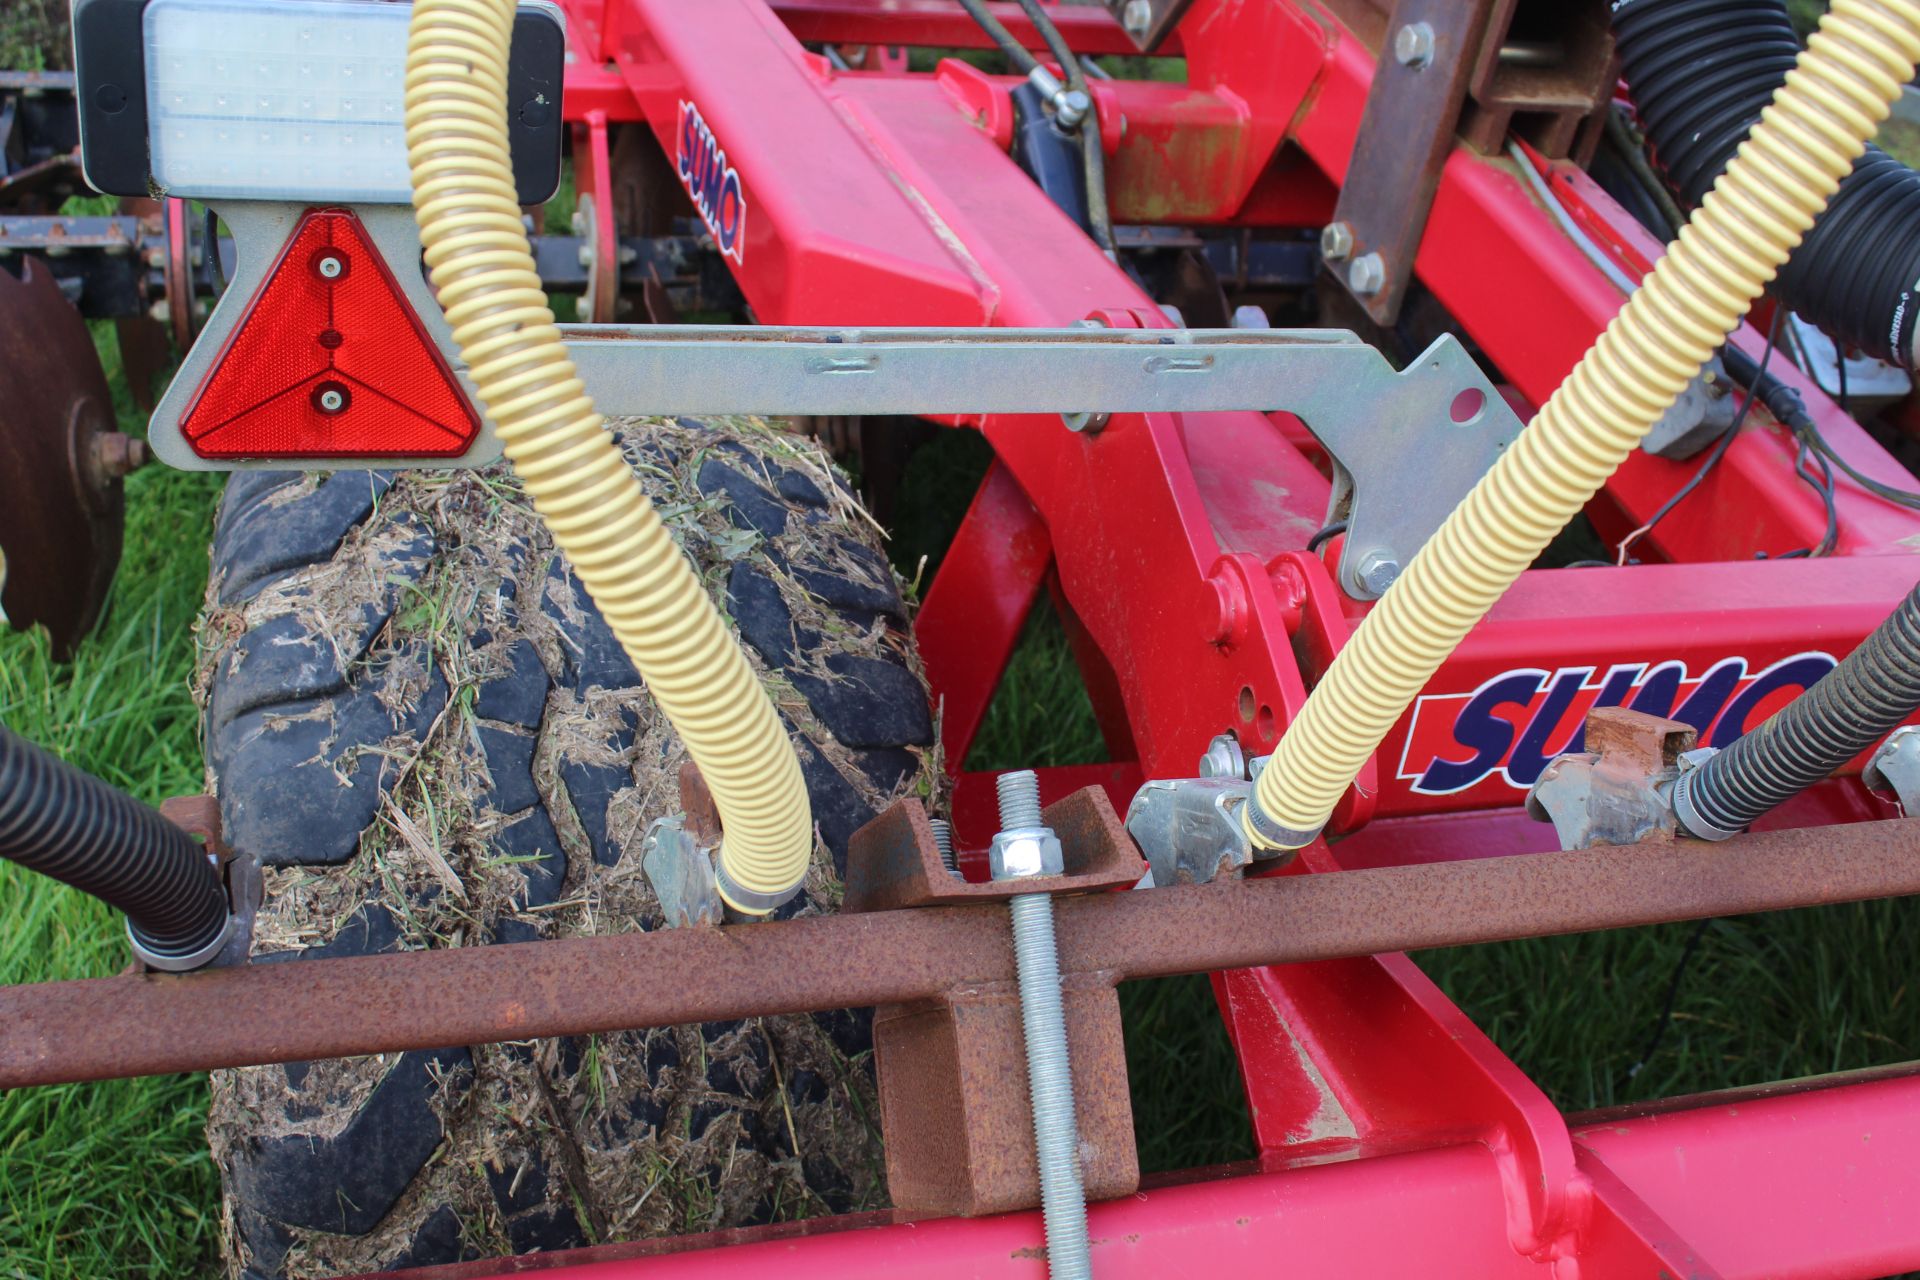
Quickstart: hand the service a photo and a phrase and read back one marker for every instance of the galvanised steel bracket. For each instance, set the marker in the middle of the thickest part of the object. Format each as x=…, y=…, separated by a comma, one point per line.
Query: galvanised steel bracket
x=1406, y=445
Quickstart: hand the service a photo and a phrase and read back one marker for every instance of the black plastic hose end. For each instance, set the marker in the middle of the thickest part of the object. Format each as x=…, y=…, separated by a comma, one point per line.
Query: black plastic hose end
x=71, y=826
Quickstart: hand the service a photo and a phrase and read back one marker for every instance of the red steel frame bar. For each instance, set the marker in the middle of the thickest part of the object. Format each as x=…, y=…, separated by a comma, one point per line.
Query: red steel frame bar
x=1175, y=542
x=1740, y=1191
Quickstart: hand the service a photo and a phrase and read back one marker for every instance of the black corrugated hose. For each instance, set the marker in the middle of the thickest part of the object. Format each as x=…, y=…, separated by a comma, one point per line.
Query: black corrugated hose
x=63, y=823
x=1699, y=72
x=1845, y=712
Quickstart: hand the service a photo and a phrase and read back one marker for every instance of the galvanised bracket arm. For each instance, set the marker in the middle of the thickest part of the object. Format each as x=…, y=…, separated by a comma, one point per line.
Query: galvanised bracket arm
x=1406, y=445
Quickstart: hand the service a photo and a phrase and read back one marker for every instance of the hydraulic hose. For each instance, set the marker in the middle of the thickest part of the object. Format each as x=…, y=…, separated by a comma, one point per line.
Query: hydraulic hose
x=69, y=825
x=1845, y=712
x=1092, y=156
x=477, y=252
x=1699, y=72
x=1732, y=245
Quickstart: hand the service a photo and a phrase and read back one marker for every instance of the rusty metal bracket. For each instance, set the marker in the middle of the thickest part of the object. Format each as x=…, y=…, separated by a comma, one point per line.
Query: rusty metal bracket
x=893, y=862
x=1406, y=132
x=200, y=816
x=1616, y=792
x=954, y=1100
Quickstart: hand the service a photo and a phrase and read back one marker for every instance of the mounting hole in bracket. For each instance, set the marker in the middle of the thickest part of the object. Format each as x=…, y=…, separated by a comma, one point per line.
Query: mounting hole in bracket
x=1247, y=704
x=1264, y=724
x=1467, y=406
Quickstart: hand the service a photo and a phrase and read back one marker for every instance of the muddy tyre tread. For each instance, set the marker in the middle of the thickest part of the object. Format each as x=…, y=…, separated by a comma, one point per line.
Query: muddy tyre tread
x=417, y=719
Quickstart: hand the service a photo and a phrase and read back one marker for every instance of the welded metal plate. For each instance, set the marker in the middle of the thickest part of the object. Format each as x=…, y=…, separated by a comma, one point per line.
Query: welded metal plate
x=1405, y=450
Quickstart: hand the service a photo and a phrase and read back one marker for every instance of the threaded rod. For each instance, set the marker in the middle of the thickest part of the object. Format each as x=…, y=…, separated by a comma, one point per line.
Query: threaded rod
x=1056, y=1130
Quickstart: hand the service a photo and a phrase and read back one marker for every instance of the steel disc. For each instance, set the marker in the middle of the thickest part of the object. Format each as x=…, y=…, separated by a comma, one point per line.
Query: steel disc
x=61, y=504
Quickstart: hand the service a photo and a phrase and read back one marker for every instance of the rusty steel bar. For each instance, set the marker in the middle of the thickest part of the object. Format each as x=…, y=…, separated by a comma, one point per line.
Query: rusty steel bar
x=147, y=1025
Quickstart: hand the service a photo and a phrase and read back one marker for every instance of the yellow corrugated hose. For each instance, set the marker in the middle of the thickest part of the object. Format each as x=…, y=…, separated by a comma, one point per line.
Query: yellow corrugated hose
x=476, y=248
x=1789, y=167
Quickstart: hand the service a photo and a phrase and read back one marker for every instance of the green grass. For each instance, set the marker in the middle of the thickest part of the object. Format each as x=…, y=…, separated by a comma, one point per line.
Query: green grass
x=109, y=1179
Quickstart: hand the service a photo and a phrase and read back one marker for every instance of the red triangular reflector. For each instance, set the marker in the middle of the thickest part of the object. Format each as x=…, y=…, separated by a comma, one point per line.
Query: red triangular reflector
x=330, y=361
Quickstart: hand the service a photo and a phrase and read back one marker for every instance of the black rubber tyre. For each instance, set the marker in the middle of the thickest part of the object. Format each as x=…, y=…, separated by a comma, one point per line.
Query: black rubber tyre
x=418, y=720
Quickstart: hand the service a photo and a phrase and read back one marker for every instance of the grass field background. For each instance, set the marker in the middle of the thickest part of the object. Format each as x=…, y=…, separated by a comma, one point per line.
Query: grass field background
x=113, y=1180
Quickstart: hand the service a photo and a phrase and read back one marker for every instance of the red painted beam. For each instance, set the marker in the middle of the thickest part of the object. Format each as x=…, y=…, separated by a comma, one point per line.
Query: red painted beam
x=1806, y=1182
x=1780, y=1182
x=1088, y=29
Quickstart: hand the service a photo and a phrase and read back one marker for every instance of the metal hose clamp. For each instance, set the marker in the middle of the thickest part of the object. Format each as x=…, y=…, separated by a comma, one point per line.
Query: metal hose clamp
x=180, y=961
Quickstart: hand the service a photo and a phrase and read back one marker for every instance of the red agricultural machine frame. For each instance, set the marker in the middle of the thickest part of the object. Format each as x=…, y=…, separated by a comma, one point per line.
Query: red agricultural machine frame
x=1174, y=545
x=1393, y=1137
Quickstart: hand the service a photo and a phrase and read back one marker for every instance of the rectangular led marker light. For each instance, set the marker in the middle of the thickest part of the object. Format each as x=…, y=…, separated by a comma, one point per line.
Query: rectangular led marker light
x=278, y=100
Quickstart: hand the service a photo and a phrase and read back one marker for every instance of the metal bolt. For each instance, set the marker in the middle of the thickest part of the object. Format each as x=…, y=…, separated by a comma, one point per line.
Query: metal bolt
x=1378, y=571
x=330, y=267
x=1367, y=274
x=943, y=841
x=1413, y=45
x=115, y=454
x=1336, y=241
x=1224, y=759
x=1137, y=17
x=1056, y=1131
x=331, y=401
x=1070, y=107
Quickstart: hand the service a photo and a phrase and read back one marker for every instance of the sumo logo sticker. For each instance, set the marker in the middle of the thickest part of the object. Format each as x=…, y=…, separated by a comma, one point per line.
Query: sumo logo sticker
x=1517, y=721
x=712, y=182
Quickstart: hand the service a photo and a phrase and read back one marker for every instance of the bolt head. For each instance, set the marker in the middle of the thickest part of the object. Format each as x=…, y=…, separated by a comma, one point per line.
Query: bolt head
x=330, y=267
x=1377, y=572
x=1413, y=45
x=1224, y=759
x=1367, y=275
x=1137, y=17
x=1688, y=761
x=1025, y=853
x=331, y=398
x=1071, y=107
x=1336, y=241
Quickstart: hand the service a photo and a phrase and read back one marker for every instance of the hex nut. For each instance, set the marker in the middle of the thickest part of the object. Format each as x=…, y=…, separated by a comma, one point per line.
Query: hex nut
x=1413, y=45
x=1137, y=17
x=1336, y=241
x=1367, y=275
x=1377, y=572
x=1025, y=853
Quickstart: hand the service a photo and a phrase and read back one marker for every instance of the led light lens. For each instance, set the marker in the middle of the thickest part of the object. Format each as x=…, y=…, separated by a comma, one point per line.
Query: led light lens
x=278, y=99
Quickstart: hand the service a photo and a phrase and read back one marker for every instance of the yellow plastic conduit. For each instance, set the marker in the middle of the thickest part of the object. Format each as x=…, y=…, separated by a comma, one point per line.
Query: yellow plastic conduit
x=464, y=195
x=1783, y=176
